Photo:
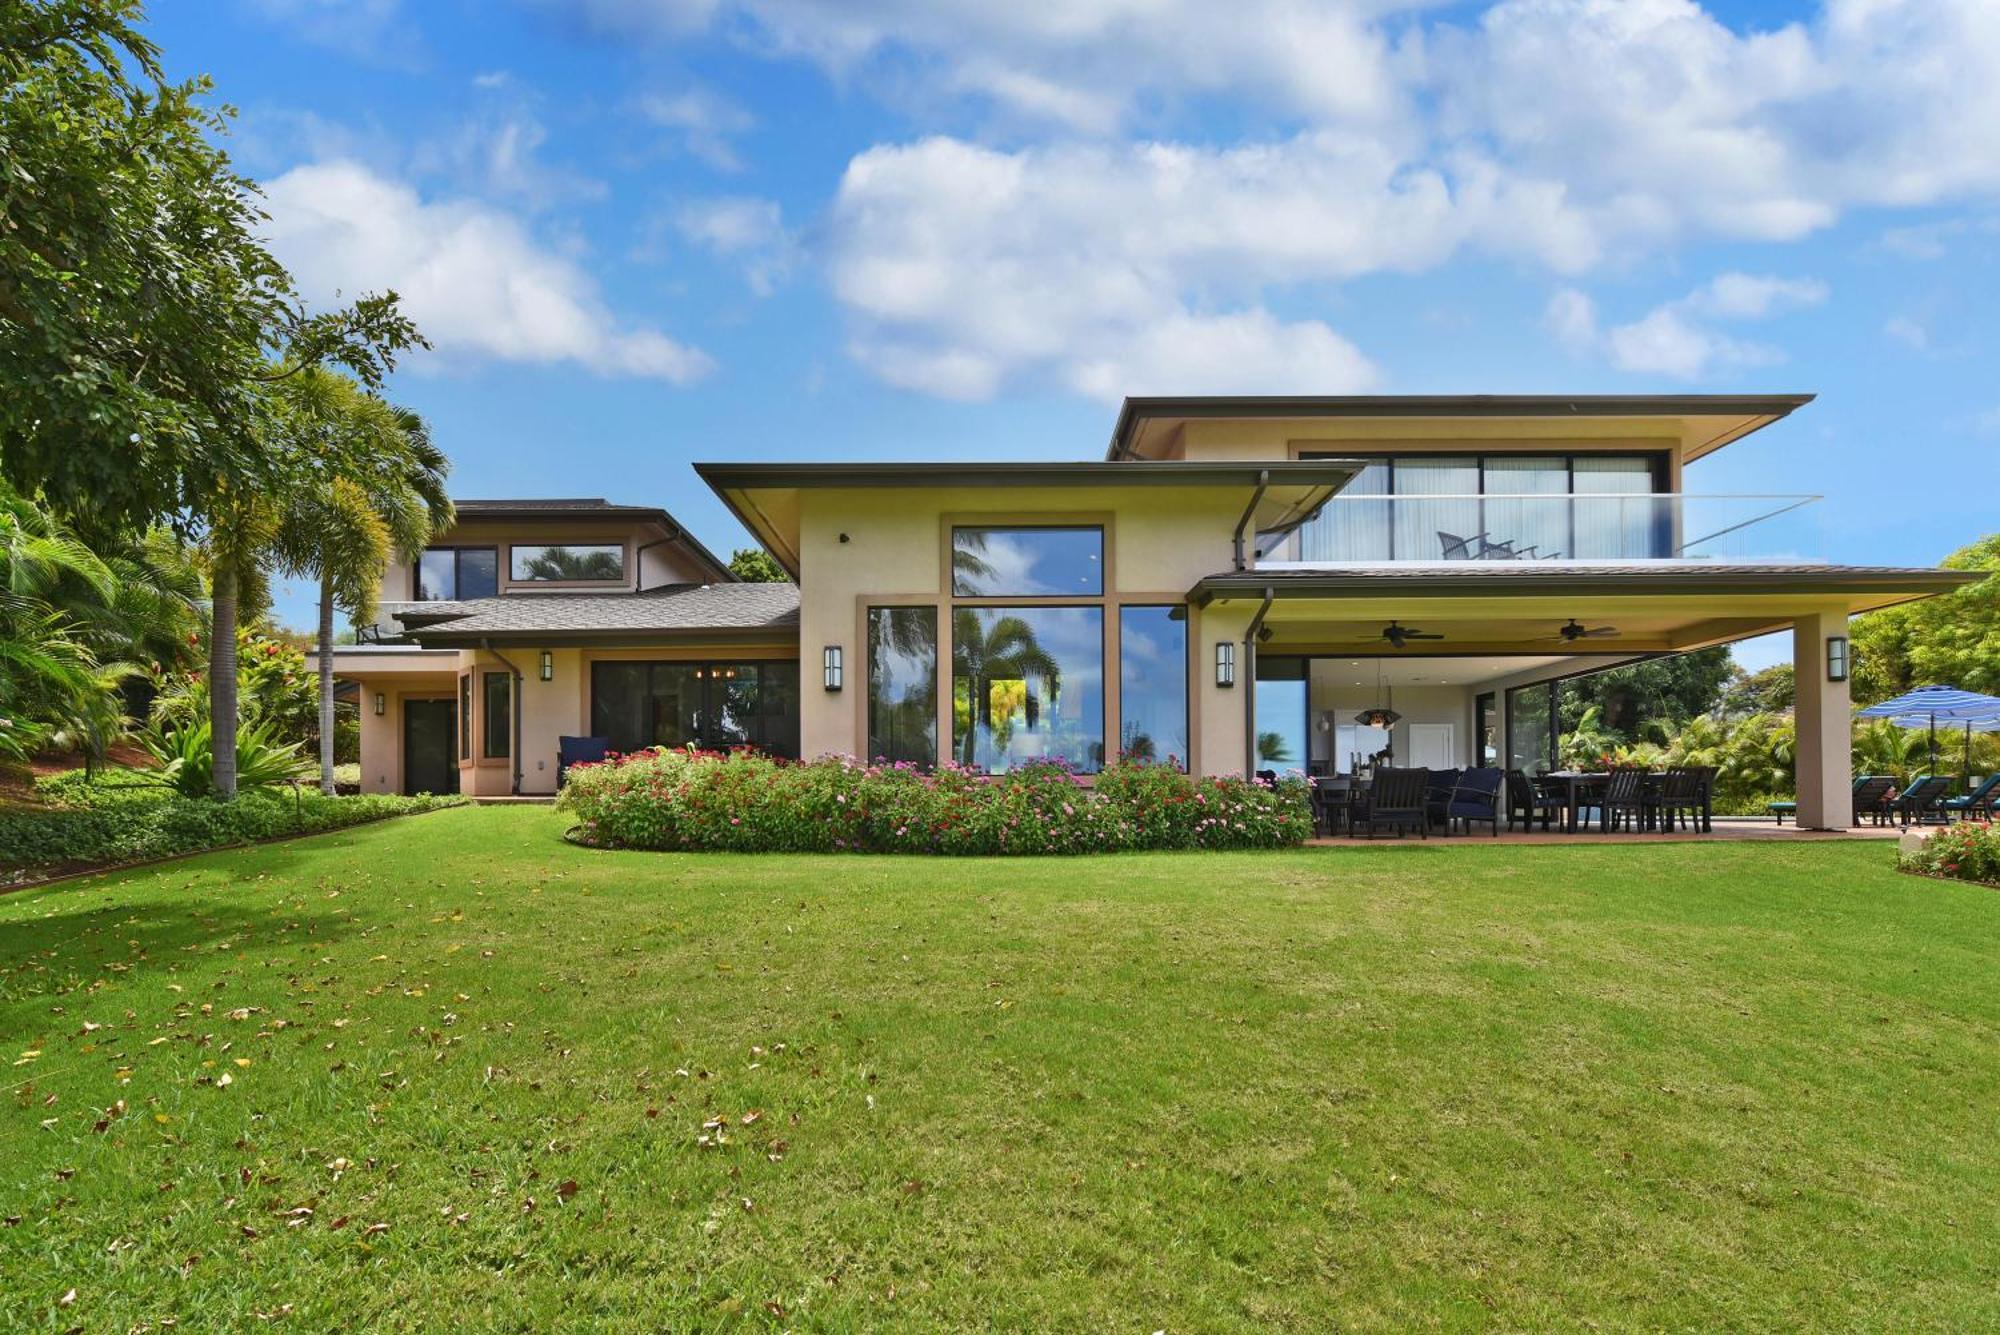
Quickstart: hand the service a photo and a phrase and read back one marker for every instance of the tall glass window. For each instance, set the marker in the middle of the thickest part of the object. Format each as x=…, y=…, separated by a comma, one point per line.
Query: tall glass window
x=1531, y=728
x=465, y=717
x=498, y=743
x=1281, y=715
x=568, y=561
x=1152, y=685
x=445, y=573
x=714, y=706
x=902, y=684
x=1027, y=683
x=1623, y=522
x=1437, y=529
x=1530, y=528
x=1027, y=562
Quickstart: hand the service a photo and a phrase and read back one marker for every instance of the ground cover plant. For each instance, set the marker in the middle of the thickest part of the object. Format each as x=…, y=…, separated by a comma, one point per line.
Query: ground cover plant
x=750, y=803
x=1966, y=851
x=129, y=816
x=458, y=1072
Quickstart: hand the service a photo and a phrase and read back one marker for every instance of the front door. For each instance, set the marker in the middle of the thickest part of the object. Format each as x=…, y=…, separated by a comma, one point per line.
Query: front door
x=428, y=763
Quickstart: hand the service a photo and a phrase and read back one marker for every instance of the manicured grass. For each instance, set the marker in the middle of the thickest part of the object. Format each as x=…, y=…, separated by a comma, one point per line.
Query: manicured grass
x=1688, y=1086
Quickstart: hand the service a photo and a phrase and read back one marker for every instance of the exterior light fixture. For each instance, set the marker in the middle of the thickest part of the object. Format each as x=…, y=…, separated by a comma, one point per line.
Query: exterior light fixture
x=548, y=666
x=830, y=664
x=381, y=704
x=1225, y=664
x=1836, y=658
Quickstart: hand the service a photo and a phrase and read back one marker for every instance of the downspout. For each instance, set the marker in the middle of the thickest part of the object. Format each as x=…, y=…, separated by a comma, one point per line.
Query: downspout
x=1250, y=684
x=514, y=702
x=1249, y=512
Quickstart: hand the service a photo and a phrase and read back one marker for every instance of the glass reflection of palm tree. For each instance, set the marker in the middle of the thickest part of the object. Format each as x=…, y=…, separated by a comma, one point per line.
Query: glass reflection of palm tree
x=558, y=563
x=902, y=683
x=970, y=570
x=1272, y=747
x=983, y=656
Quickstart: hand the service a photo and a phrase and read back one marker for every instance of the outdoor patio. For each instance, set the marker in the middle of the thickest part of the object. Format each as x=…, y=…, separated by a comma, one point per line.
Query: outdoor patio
x=1738, y=829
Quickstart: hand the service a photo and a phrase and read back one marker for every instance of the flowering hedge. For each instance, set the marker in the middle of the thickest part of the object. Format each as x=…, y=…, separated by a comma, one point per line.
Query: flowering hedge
x=748, y=803
x=1968, y=851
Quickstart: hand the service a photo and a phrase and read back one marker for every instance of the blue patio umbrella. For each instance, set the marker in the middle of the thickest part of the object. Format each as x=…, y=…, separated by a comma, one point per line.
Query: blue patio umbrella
x=1930, y=705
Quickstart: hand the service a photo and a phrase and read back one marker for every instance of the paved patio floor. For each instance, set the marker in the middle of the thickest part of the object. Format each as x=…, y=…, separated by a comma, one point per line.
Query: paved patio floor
x=1737, y=828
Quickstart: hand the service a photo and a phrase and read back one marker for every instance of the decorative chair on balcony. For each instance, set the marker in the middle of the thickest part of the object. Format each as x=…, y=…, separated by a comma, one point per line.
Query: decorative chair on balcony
x=1460, y=549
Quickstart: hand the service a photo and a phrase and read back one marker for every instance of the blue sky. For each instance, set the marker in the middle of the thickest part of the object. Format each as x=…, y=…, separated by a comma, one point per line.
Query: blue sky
x=646, y=232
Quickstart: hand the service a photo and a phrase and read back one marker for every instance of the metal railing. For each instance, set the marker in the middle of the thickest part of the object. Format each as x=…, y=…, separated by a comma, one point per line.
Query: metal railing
x=1609, y=528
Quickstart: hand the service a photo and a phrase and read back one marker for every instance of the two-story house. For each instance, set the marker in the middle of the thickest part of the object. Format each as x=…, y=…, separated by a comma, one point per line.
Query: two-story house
x=1240, y=584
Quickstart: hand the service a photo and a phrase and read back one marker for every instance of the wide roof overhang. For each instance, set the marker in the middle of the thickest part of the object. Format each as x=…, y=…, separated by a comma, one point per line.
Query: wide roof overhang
x=1509, y=609
x=1692, y=425
x=768, y=498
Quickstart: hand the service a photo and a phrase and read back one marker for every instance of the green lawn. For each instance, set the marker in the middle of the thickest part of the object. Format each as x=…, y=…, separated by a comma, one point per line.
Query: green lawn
x=471, y=1069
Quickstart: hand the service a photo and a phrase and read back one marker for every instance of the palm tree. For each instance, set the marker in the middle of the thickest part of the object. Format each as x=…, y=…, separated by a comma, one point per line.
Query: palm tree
x=389, y=498
x=983, y=655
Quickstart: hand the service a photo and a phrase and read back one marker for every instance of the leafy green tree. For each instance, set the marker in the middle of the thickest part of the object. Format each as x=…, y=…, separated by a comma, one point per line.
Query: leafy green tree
x=1767, y=691
x=140, y=314
x=753, y=565
x=1653, y=699
x=1949, y=641
x=48, y=672
x=389, y=498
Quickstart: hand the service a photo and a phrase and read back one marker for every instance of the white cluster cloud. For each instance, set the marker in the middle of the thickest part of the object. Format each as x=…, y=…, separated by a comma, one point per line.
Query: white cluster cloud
x=750, y=231
x=1678, y=338
x=470, y=275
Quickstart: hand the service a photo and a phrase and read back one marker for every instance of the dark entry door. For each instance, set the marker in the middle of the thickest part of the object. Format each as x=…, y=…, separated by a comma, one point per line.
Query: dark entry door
x=428, y=763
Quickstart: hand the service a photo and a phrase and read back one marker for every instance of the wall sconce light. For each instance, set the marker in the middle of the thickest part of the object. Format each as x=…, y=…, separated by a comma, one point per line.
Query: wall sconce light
x=1225, y=664
x=830, y=662
x=1836, y=658
x=381, y=704
x=548, y=666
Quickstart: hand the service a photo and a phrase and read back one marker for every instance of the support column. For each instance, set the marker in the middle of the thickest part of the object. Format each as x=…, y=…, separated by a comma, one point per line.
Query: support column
x=1825, y=722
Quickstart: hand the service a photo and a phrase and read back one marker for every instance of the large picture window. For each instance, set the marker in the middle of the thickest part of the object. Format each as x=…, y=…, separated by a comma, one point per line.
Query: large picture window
x=448, y=573
x=902, y=684
x=1152, y=685
x=1027, y=562
x=498, y=733
x=563, y=562
x=714, y=706
x=1027, y=683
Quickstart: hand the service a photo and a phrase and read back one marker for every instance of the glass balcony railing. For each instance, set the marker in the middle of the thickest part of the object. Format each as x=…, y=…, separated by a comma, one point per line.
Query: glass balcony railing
x=1608, y=529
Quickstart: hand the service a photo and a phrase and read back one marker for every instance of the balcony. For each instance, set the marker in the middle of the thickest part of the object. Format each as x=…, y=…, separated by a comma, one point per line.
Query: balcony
x=1601, y=529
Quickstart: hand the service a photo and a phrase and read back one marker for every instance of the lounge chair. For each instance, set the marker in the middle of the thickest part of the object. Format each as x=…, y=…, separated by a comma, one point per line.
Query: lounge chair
x=1923, y=799
x=1397, y=801
x=1476, y=797
x=1871, y=797
x=1979, y=802
x=1457, y=548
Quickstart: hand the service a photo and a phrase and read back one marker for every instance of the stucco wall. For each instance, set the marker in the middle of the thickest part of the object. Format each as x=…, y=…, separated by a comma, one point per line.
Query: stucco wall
x=1159, y=542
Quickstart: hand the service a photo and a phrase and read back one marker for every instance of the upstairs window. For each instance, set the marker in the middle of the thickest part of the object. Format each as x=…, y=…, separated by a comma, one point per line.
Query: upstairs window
x=1027, y=562
x=572, y=562
x=447, y=573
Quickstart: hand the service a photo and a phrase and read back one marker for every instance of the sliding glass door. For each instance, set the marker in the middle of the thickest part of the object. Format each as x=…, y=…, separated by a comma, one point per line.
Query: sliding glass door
x=714, y=706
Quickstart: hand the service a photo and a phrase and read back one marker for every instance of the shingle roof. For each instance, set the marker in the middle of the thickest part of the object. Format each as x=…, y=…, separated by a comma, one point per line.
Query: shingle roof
x=674, y=610
x=554, y=505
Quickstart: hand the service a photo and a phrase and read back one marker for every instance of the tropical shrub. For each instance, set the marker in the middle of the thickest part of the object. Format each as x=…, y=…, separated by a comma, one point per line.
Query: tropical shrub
x=1967, y=851
x=745, y=802
x=185, y=755
x=125, y=818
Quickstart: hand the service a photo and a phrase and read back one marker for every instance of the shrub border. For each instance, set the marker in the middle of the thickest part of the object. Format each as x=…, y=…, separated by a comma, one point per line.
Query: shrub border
x=102, y=868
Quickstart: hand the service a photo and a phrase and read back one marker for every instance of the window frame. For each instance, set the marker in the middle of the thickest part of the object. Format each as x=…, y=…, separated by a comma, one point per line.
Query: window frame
x=1659, y=474
x=455, y=548
x=622, y=577
x=706, y=672
x=486, y=751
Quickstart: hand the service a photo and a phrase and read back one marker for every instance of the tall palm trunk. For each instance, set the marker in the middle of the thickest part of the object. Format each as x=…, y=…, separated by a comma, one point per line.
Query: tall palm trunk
x=326, y=685
x=222, y=680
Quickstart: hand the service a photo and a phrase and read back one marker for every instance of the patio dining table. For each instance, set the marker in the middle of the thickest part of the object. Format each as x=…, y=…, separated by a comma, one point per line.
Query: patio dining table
x=1574, y=787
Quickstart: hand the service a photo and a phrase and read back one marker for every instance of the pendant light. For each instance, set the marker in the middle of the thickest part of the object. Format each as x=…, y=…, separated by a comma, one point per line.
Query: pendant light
x=1381, y=715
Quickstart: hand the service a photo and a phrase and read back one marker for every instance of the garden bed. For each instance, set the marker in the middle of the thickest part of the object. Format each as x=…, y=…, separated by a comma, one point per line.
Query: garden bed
x=748, y=803
x=1967, y=851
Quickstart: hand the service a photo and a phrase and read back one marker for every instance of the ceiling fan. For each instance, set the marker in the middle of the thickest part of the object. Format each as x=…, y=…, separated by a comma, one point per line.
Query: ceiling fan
x=1575, y=631
x=1399, y=635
